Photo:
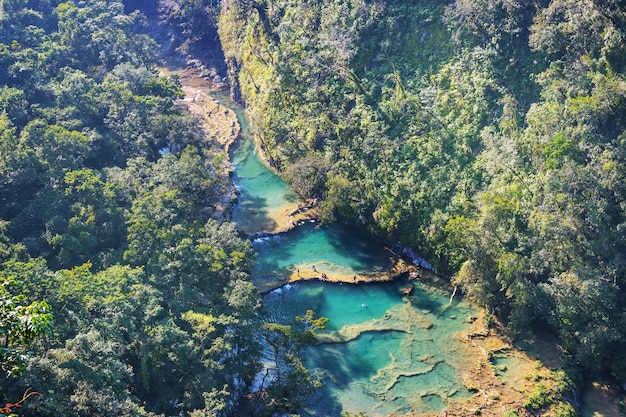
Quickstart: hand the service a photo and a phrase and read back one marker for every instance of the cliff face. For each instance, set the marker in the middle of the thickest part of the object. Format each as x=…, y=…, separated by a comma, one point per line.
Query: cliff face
x=186, y=33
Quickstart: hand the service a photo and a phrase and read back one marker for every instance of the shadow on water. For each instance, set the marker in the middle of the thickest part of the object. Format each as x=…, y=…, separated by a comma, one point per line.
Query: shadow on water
x=251, y=210
x=273, y=261
x=263, y=194
x=327, y=405
x=346, y=367
x=351, y=244
x=324, y=247
x=250, y=215
x=355, y=370
x=424, y=301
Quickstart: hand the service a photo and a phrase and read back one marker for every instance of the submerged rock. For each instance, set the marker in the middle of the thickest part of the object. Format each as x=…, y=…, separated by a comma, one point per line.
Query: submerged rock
x=400, y=318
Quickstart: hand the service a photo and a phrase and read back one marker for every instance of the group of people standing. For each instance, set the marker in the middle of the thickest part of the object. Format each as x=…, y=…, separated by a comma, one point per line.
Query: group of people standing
x=323, y=275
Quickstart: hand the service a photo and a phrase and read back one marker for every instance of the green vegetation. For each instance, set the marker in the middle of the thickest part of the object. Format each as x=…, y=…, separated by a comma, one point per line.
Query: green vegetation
x=21, y=323
x=153, y=309
x=488, y=136
x=541, y=397
x=291, y=385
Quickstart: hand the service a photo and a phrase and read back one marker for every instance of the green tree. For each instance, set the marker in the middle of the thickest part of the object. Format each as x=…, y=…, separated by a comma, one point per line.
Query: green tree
x=20, y=323
x=13, y=102
x=96, y=223
x=57, y=148
x=288, y=381
x=89, y=377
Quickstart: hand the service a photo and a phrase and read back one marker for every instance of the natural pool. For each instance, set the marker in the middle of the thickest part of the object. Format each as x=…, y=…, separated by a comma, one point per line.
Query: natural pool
x=338, y=252
x=263, y=196
x=383, y=352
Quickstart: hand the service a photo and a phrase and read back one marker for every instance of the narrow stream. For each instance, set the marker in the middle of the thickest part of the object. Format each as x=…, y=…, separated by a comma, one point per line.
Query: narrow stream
x=264, y=198
x=382, y=352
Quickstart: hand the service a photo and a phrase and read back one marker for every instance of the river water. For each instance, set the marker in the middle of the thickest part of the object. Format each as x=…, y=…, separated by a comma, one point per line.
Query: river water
x=383, y=352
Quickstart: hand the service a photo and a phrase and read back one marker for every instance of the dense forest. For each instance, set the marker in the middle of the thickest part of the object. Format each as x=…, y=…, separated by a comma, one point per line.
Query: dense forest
x=121, y=294
x=488, y=135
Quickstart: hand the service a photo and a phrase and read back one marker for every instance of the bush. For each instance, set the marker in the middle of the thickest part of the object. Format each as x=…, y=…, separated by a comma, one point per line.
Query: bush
x=565, y=409
x=541, y=397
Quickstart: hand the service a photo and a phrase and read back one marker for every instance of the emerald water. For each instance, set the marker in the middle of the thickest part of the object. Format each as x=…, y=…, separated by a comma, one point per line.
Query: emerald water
x=382, y=352
x=335, y=251
x=263, y=195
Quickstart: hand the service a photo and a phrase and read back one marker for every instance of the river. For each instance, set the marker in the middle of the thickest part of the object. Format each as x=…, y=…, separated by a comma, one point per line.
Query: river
x=383, y=351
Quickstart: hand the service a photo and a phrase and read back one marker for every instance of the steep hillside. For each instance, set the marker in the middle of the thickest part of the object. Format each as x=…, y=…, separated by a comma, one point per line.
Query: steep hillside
x=487, y=135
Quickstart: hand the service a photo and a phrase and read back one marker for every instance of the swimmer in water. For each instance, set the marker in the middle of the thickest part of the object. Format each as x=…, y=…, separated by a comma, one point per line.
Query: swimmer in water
x=364, y=305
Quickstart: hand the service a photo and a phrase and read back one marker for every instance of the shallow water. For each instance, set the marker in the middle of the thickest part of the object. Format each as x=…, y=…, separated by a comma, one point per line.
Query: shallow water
x=400, y=354
x=262, y=194
x=334, y=251
x=382, y=352
x=511, y=369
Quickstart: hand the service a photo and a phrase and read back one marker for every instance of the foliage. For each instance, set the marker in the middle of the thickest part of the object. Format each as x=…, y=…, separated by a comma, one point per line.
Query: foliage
x=565, y=409
x=153, y=308
x=489, y=136
x=20, y=324
x=289, y=382
x=539, y=398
